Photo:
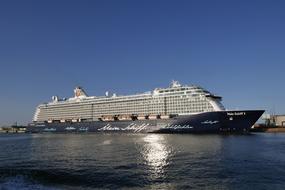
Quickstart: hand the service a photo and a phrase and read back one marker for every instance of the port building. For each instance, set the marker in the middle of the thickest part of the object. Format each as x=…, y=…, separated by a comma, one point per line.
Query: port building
x=278, y=120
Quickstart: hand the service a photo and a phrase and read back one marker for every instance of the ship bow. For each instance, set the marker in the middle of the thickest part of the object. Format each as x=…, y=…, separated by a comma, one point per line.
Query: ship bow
x=241, y=120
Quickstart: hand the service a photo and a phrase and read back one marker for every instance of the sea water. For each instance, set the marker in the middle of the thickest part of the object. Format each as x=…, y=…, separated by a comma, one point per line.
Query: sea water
x=142, y=161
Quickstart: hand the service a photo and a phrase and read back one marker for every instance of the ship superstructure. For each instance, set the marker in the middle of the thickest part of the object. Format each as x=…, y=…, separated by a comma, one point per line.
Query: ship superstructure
x=161, y=102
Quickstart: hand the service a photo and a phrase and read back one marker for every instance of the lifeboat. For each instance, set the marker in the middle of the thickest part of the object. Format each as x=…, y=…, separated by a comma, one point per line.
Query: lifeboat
x=124, y=117
x=141, y=117
x=153, y=117
x=165, y=116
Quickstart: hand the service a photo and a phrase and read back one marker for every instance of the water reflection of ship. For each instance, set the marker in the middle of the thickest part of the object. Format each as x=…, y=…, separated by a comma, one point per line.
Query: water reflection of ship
x=156, y=154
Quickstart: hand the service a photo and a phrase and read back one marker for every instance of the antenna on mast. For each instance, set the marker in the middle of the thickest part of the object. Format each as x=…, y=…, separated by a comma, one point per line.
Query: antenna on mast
x=175, y=84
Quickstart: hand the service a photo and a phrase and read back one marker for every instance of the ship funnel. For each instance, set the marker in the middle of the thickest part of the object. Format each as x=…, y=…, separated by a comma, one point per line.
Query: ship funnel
x=79, y=92
x=54, y=98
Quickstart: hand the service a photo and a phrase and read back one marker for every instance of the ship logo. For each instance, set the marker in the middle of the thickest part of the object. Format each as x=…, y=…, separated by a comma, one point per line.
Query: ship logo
x=132, y=127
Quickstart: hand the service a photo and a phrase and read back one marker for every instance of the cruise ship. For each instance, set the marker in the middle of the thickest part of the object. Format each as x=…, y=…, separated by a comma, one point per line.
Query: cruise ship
x=175, y=109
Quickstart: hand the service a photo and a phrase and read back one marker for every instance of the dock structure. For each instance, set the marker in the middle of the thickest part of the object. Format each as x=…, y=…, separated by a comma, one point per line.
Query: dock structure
x=278, y=120
x=274, y=120
x=272, y=124
x=13, y=129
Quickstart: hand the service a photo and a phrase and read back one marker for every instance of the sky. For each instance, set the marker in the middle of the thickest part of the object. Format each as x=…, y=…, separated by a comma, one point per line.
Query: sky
x=233, y=48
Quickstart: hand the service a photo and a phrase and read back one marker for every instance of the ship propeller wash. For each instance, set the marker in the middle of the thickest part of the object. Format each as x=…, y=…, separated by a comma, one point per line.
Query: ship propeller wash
x=175, y=109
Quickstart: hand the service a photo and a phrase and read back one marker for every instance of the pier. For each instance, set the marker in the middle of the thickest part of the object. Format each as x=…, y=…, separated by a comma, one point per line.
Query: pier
x=13, y=129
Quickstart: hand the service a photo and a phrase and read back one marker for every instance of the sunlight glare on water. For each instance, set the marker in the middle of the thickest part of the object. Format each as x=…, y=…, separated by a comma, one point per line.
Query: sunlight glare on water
x=156, y=152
